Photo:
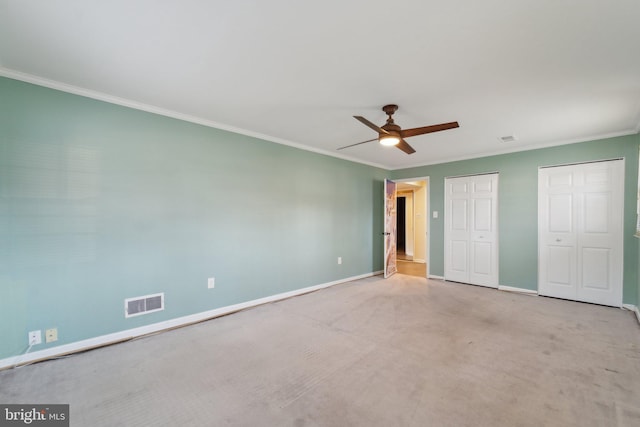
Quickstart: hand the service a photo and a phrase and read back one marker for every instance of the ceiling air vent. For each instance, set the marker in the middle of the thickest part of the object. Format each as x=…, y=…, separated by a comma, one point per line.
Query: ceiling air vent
x=143, y=305
x=508, y=138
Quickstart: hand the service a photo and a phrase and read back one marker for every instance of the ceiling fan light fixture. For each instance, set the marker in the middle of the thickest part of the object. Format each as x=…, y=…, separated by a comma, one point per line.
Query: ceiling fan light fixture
x=390, y=134
x=389, y=140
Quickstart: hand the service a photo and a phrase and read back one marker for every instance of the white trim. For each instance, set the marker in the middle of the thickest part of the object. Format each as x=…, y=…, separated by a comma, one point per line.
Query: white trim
x=128, y=334
x=520, y=149
x=433, y=276
x=52, y=84
x=471, y=175
x=633, y=308
x=586, y=162
x=419, y=260
x=517, y=290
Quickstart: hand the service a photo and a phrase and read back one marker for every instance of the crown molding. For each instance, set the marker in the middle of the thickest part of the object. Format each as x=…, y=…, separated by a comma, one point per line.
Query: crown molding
x=522, y=149
x=88, y=93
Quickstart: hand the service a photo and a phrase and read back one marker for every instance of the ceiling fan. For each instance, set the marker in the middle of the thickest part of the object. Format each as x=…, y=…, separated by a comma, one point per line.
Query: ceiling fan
x=391, y=134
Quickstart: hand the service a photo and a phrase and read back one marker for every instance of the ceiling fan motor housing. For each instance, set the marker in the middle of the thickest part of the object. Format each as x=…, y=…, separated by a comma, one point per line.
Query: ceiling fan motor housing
x=391, y=128
x=390, y=132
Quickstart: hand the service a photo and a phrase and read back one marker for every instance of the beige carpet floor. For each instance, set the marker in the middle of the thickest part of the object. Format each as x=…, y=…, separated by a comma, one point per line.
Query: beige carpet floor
x=399, y=352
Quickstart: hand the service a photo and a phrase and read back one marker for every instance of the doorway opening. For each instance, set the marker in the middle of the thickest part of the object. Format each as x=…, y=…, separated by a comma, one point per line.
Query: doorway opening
x=412, y=227
x=401, y=228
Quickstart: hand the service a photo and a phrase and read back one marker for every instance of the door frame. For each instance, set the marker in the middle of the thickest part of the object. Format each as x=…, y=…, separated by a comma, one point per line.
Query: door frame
x=426, y=218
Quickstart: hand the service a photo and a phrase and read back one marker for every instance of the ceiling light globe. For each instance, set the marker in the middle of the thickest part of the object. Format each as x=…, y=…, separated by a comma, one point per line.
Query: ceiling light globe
x=389, y=140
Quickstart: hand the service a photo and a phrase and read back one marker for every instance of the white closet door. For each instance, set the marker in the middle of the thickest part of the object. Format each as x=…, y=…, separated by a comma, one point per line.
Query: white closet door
x=471, y=243
x=580, y=222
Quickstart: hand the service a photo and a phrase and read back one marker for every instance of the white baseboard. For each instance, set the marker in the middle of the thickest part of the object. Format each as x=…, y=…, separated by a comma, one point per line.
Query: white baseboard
x=420, y=260
x=517, y=290
x=433, y=276
x=634, y=309
x=115, y=337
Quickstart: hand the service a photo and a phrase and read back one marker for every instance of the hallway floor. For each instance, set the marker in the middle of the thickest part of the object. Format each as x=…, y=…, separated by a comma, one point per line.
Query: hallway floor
x=418, y=269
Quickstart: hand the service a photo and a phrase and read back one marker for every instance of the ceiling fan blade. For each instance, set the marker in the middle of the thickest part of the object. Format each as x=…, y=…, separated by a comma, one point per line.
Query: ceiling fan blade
x=406, y=133
x=369, y=124
x=357, y=143
x=405, y=147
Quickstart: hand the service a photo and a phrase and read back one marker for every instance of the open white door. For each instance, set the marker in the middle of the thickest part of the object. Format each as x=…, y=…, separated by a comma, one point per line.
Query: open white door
x=389, y=228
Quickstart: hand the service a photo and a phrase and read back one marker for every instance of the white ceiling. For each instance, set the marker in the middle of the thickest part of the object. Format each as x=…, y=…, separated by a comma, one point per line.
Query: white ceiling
x=549, y=72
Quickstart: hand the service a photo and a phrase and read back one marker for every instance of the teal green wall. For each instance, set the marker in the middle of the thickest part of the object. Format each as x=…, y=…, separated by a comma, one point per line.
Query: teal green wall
x=99, y=203
x=518, y=204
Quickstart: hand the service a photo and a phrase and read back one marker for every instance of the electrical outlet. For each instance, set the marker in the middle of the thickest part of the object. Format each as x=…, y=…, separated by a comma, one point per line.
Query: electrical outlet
x=35, y=337
x=51, y=335
x=211, y=283
x=339, y=260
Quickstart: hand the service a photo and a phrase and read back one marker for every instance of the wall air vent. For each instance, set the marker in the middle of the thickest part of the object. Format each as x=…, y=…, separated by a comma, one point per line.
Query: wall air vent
x=143, y=305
